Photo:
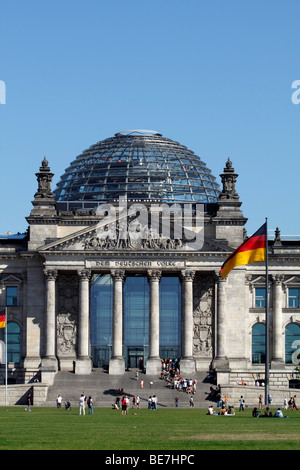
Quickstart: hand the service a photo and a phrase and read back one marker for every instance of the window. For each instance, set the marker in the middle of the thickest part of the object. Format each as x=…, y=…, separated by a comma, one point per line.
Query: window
x=260, y=297
x=101, y=318
x=11, y=296
x=292, y=341
x=259, y=343
x=170, y=317
x=136, y=311
x=13, y=342
x=293, y=298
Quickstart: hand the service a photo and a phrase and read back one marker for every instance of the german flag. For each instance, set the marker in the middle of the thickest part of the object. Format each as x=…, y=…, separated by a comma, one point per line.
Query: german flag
x=2, y=319
x=253, y=249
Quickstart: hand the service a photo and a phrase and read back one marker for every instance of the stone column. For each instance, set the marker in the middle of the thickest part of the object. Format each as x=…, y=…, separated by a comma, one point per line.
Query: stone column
x=277, y=359
x=187, y=361
x=153, y=366
x=83, y=362
x=49, y=362
x=221, y=360
x=116, y=362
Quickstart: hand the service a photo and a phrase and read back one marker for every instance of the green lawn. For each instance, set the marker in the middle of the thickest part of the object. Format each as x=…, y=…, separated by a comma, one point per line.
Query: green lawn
x=165, y=429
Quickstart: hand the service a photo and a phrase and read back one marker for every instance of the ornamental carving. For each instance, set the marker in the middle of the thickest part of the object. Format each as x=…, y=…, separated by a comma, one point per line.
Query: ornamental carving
x=203, y=314
x=229, y=178
x=118, y=274
x=67, y=314
x=152, y=242
x=154, y=275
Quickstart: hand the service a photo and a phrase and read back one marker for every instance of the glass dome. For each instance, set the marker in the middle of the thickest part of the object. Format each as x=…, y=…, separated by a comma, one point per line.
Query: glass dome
x=140, y=165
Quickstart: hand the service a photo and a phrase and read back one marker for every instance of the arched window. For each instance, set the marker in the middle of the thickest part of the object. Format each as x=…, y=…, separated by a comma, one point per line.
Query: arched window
x=259, y=343
x=13, y=342
x=292, y=342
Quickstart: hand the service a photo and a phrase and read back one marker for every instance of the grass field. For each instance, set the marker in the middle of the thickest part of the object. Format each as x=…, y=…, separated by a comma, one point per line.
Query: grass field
x=165, y=429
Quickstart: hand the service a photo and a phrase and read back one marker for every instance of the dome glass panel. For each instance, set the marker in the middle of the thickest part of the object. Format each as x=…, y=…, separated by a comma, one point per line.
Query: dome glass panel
x=138, y=165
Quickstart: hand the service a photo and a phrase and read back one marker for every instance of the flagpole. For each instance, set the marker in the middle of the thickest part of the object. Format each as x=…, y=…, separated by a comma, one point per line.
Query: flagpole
x=5, y=356
x=267, y=360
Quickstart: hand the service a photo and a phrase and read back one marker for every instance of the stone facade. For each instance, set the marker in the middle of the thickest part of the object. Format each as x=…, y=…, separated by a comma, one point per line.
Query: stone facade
x=51, y=267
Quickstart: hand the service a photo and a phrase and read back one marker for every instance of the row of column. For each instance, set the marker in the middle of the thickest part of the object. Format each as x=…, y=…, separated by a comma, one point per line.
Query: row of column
x=277, y=352
x=117, y=365
x=187, y=362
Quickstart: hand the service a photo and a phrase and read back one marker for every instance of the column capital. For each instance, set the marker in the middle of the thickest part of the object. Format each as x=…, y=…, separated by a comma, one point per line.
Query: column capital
x=218, y=278
x=187, y=275
x=50, y=274
x=154, y=275
x=277, y=279
x=84, y=274
x=118, y=274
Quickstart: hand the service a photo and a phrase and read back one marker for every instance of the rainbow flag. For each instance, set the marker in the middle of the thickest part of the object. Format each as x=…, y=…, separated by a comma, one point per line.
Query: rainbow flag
x=2, y=319
x=253, y=249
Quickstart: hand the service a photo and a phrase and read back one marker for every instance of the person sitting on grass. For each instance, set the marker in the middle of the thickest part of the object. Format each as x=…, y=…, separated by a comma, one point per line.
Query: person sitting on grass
x=255, y=413
x=267, y=414
x=230, y=411
x=278, y=414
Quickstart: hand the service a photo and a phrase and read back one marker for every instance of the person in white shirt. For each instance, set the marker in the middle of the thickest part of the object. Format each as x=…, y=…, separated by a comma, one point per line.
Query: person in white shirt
x=82, y=404
x=154, y=402
x=137, y=402
x=59, y=401
x=278, y=414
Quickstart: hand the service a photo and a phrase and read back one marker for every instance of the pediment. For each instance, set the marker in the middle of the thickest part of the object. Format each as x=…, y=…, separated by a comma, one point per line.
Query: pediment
x=11, y=279
x=258, y=280
x=293, y=280
x=73, y=242
x=119, y=235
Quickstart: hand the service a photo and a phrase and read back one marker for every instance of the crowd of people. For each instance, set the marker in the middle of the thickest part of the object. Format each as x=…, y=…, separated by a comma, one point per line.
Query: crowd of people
x=83, y=401
x=124, y=403
x=256, y=413
x=267, y=414
x=170, y=372
x=224, y=411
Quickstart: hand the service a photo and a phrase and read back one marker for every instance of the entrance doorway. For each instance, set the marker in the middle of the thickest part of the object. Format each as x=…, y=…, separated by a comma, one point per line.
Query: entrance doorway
x=136, y=358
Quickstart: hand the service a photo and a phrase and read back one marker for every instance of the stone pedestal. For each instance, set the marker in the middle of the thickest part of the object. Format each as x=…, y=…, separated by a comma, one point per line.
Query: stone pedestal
x=48, y=369
x=153, y=366
x=117, y=366
x=187, y=367
x=83, y=366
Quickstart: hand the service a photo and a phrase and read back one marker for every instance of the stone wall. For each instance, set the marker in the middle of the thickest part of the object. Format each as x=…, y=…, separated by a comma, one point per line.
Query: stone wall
x=16, y=394
x=251, y=395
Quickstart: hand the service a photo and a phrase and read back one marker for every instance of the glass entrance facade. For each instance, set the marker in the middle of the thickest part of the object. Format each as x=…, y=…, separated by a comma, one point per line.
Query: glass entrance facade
x=136, y=318
x=136, y=300
x=170, y=317
x=101, y=305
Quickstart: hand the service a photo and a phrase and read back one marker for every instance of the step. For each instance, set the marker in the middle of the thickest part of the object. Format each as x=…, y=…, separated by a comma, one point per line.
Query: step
x=102, y=387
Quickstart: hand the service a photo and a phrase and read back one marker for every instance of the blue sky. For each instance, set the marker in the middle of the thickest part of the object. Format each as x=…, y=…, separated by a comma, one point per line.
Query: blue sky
x=214, y=76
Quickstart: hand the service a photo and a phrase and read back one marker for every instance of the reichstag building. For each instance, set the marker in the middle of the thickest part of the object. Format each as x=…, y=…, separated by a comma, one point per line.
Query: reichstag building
x=120, y=267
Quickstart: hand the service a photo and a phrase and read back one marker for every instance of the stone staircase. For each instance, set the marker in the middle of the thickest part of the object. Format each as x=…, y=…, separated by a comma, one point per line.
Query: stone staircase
x=102, y=388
